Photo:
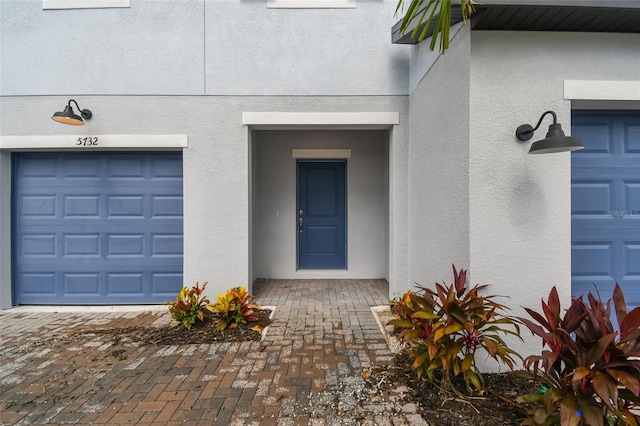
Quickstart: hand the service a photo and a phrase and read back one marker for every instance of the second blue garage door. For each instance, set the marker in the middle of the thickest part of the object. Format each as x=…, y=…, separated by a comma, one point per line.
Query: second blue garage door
x=97, y=228
x=605, y=199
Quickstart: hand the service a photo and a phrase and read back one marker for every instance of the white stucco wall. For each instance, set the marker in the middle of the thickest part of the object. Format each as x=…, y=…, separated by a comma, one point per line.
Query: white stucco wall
x=275, y=202
x=439, y=167
x=153, y=47
x=255, y=50
x=398, y=263
x=197, y=47
x=5, y=230
x=216, y=166
x=422, y=58
x=520, y=204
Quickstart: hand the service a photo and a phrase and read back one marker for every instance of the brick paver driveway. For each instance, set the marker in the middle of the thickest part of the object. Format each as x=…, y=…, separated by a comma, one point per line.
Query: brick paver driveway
x=307, y=371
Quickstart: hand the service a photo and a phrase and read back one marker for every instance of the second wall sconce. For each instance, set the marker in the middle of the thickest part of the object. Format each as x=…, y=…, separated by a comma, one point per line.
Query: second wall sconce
x=555, y=141
x=68, y=116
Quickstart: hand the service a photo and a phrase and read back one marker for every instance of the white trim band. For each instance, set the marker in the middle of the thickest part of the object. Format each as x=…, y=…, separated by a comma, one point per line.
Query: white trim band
x=93, y=142
x=320, y=120
x=597, y=90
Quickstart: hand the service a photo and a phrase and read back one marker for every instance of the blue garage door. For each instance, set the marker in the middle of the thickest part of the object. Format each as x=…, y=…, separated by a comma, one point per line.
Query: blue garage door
x=605, y=199
x=98, y=228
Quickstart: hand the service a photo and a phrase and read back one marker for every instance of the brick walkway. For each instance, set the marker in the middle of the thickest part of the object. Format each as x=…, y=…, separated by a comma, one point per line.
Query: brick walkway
x=307, y=371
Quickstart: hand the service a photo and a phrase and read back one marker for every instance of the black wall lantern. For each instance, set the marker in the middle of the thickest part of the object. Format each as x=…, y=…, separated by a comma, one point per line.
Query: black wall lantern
x=555, y=141
x=69, y=117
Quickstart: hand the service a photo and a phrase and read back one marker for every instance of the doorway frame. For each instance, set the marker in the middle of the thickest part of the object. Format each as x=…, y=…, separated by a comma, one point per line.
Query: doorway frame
x=396, y=247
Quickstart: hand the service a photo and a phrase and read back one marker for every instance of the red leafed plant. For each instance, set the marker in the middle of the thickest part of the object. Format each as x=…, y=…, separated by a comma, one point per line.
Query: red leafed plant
x=447, y=326
x=189, y=305
x=590, y=373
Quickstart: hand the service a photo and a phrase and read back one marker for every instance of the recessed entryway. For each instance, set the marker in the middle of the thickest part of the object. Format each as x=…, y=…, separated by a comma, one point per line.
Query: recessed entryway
x=349, y=175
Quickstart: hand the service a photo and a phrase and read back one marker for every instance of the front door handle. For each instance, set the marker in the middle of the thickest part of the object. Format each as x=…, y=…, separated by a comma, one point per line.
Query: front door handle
x=300, y=222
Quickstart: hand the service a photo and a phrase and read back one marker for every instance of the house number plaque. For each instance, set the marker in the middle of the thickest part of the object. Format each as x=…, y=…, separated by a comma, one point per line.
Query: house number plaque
x=88, y=141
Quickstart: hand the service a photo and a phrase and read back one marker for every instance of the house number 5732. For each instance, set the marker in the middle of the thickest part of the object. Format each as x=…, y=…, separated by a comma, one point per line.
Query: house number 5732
x=89, y=141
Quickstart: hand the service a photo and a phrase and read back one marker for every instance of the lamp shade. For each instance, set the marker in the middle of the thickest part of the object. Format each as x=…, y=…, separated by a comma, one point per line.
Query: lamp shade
x=68, y=116
x=556, y=141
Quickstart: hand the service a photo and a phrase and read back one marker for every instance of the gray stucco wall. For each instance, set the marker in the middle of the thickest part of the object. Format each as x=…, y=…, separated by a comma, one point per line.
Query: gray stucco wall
x=153, y=47
x=216, y=167
x=275, y=203
x=197, y=47
x=5, y=230
x=521, y=203
x=439, y=167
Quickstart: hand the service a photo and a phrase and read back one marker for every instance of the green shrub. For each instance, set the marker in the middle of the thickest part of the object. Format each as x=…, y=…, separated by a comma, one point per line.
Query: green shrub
x=446, y=327
x=189, y=305
x=590, y=373
x=233, y=308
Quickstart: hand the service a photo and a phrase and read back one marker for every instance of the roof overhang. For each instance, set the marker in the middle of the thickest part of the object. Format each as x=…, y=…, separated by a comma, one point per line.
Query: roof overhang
x=531, y=15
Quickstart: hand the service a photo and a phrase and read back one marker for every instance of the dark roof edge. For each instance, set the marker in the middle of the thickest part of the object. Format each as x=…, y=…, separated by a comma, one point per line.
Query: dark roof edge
x=510, y=17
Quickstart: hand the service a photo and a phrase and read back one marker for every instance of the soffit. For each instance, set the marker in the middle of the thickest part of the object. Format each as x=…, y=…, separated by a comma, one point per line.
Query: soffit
x=540, y=18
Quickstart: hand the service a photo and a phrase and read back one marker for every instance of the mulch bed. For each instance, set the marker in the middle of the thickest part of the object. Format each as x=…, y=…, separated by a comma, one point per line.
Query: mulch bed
x=201, y=332
x=439, y=407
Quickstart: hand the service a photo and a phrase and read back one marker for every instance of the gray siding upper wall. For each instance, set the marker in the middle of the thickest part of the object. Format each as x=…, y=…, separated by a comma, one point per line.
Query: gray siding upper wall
x=196, y=47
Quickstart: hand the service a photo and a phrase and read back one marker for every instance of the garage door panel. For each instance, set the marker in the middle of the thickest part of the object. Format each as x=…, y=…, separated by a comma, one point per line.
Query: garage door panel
x=38, y=284
x=129, y=168
x=141, y=286
x=88, y=246
x=128, y=206
x=632, y=197
x=632, y=259
x=632, y=138
x=166, y=206
x=166, y=170
x=126, y=245
x=85, y=283
x=606, y=204
x=37, y=205
x=166, y=245
x=82, y=245
x=593, y=258
x=40, y=245
x=600, y=138
x=81, y=167
x=104, y=241
x=81, y=206
x=77, y=206
x=591, y=197
x=584, y=285
x=38, y=168
x=126, y=283
x=163, y=283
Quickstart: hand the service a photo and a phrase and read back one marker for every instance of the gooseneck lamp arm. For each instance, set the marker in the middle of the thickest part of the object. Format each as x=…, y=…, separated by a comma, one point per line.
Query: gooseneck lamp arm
x=525, y=131
x=85, y=113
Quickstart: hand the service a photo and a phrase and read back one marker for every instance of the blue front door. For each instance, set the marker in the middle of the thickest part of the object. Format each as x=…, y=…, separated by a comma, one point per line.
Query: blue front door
x=321, y=226
x=605, y=204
